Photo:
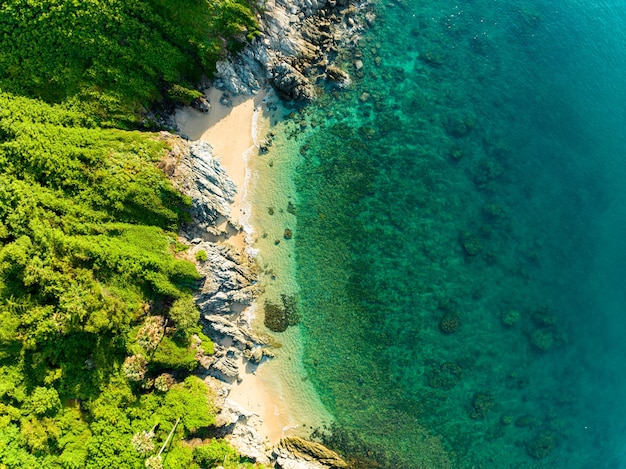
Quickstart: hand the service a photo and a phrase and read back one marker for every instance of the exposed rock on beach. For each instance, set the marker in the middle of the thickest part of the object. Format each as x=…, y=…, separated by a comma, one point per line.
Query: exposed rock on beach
x=228, y=276
x=228, y=285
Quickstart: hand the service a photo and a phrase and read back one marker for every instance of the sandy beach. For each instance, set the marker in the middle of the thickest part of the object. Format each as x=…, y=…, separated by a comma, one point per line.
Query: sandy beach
x=229, y=130
x=276, y=390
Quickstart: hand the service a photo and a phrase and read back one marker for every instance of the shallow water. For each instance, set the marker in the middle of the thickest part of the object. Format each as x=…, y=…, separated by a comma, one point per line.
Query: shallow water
x=460, y=247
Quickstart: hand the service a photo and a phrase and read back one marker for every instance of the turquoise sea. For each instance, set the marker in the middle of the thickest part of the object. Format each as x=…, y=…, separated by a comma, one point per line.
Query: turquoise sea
x=461, y=237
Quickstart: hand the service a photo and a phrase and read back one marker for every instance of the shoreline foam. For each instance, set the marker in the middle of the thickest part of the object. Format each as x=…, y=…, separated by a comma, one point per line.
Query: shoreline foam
x=277, y=390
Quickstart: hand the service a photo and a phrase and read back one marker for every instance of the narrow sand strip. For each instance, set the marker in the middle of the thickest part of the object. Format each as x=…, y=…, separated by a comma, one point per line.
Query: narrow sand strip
x=229, y=130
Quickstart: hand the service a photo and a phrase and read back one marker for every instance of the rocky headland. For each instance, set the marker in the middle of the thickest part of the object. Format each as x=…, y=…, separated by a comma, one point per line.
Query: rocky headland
x=298, y=48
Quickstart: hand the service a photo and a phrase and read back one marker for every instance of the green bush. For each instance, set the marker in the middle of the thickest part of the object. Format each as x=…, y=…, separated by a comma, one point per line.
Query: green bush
x=192, y=401
x=217, y=452
x=180, y=457
x=44, y=401
x=185, y=315
x=181, y=95
x=173, y=355
x=201, y=256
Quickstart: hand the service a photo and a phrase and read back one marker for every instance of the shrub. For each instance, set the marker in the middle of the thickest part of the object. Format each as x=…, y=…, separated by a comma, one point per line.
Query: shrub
x=181, y=95
x=172, y=355
x=216, y=452
x=185, y=315
x=201, y=256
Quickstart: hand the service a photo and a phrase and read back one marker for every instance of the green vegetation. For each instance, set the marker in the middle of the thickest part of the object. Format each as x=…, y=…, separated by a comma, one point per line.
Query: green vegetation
x=116, y=57
x=95, y=342
x=201, y=256
x=99, y=331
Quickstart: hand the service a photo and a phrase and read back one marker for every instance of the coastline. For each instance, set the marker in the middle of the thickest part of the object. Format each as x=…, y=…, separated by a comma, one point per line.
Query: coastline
x=265, y=397
x=228, y=128
x=274, y=392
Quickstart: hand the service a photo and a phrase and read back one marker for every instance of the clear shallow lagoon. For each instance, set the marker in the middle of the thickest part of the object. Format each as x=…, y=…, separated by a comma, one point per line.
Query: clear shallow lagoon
x=461, y=237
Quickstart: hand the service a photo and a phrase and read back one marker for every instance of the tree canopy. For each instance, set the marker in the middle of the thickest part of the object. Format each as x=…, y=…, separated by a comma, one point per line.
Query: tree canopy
x=99, y=332
x=115, y=57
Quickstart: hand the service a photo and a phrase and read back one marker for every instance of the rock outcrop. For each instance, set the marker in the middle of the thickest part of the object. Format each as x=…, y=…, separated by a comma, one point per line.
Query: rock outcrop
x=228, y=276
x=298, y=43
x=296, y=453
x=193, y=170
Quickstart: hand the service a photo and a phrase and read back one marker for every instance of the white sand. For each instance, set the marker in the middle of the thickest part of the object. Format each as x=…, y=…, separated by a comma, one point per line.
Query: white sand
x=277, y=390
x=229, y=130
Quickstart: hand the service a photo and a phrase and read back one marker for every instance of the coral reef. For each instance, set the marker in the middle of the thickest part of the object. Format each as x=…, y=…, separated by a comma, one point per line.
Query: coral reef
x=541, y=445
x=277, y=317
x=482, y=402
x=450, y=322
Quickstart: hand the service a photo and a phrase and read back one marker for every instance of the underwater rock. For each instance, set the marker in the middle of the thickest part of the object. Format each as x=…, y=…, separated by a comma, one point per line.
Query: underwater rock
x=493, y=211
x=456, y=154
x=444, y=376
x=449, y=322
x=278, y=317
x=337, y=75
x=543, y=317
x=432, y=58
x=482, y=403
x=291, y=208
x=542, y=339
x=470, y=243
x=541, y=445
x=526, y=420
x=295, y=452
x=510, y=318
x=459, y=126
x=485, y=172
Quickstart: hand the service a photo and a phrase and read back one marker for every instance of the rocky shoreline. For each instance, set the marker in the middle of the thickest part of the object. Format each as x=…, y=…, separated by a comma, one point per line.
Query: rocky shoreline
x=228, y=285
x=296, y=53
x=298, y=49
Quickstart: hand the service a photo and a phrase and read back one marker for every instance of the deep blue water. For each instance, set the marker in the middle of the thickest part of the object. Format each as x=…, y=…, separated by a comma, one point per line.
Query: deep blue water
x=462, y=238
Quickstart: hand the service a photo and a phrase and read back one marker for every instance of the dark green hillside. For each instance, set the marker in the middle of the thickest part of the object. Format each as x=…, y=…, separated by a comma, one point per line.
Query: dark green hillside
x=96, y=312
x=115, y=57
x=98, y=329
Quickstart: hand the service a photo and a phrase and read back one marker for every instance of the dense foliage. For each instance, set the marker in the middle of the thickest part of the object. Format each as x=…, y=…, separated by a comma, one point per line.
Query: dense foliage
x=97, y=320
x=99, y=332
x=116, y=56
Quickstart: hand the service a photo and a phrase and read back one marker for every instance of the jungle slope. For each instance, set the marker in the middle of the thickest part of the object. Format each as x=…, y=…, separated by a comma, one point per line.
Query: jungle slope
x=99, y=333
